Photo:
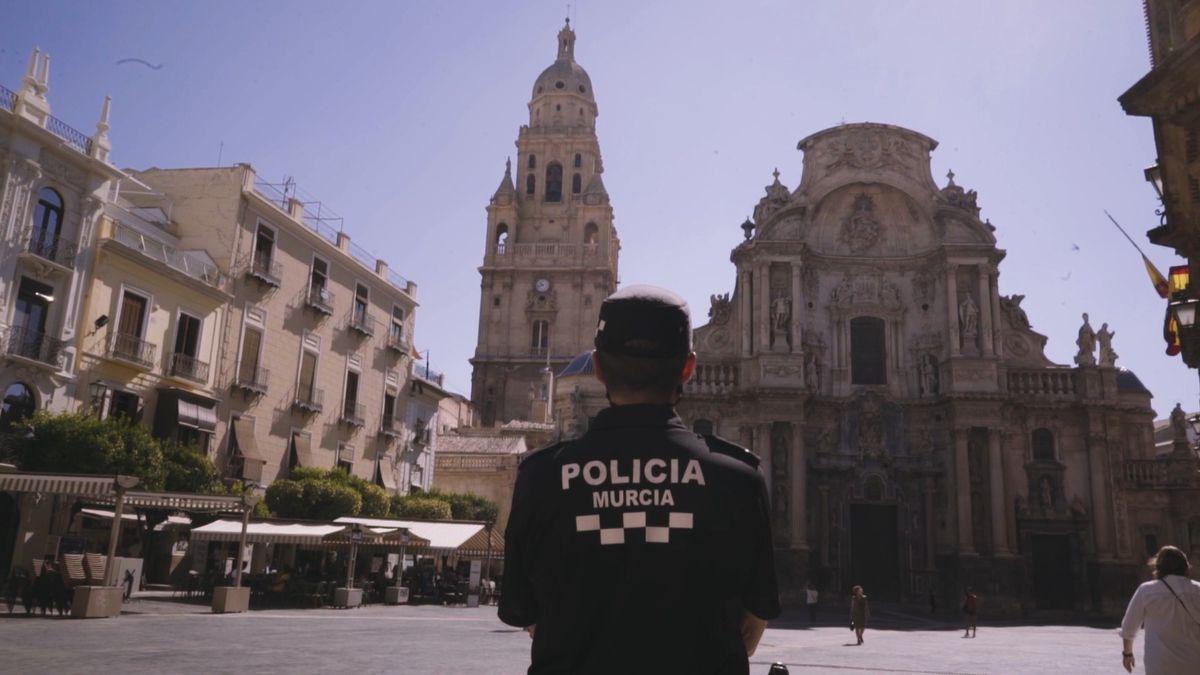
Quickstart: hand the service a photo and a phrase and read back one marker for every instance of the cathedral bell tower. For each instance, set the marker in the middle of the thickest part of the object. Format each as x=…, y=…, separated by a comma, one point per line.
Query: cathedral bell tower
x=550, y=256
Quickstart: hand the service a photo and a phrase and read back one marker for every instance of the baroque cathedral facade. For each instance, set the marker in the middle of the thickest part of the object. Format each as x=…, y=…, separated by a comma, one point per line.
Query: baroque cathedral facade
x=913, y=434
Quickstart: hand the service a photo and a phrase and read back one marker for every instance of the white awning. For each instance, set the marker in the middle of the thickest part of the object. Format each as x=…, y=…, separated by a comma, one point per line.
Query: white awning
x=444, y=536
x=98, y=486
x=104, y=514
x=265, y=533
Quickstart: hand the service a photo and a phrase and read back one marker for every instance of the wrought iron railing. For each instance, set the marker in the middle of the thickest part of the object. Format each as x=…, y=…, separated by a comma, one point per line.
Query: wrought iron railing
x=319, y=298
x=428, y=374
x=132, y=349
x=362, y=322
x=33, y=345
x=397, y=342
x=8, y=98
x=263, y=268
x=354, y=414
x=189, y=367
x=390, y=425
x=168, y=255
x=251, y=378
x=73, y=137
x=55, y=248
x=309, y=401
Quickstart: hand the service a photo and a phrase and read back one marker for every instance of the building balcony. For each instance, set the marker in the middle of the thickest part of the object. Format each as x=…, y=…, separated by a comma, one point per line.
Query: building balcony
x=168, y=255
x=1043, y=383
x=1173, y=473
x=31, y=345
x=391, y=426
x=311, y=401
x=398, y=343
x=58, y=250
x=714, y=379
x=361, y=323
x=131, y=349
x=252, y=380
x=265, y=270
x=424, y=372
x=354, y=414
x=189, y=367
x=319, y=299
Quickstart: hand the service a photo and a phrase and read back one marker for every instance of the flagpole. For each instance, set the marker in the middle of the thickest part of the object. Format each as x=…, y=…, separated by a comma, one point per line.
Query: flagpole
x=1131, y=241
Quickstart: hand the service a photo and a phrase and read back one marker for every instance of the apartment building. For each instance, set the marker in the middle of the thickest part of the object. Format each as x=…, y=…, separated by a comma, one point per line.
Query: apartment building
x=314, y=350
x=148, y=334
x=54, y=181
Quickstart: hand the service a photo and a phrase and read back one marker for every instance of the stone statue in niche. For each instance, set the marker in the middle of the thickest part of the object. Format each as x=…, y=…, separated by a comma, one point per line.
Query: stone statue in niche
x=927, y=374
x=780, y=499
x=781, y=441
x=781, y=320
x=1047, y=488
x=968, y=318
x=1104, y=336
x=812, y=371
x=1086, y=341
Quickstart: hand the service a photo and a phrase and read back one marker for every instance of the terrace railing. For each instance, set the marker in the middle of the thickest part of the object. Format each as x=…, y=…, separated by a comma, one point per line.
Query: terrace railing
x=55, y=248
x=189, y=367
x=132, y=349
x=33, y=345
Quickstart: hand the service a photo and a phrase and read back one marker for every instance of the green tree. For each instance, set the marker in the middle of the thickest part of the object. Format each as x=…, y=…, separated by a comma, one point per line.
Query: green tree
x=427, y=508
x=187, y=469
x=285, y=498
x=466, y=506
x=328, y=500
x=78, y=443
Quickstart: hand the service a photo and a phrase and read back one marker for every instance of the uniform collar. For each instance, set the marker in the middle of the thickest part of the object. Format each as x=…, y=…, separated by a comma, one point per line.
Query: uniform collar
x=639, y=415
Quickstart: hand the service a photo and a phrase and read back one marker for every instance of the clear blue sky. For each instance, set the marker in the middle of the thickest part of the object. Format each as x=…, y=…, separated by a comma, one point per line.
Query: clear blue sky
x=399, y=116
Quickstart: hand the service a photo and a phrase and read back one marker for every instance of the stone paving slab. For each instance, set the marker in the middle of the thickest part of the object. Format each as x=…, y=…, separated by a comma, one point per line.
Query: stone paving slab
x=430, y=639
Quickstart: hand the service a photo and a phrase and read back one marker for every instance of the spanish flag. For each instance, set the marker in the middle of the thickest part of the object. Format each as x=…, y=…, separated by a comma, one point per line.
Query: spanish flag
x=1156, y=278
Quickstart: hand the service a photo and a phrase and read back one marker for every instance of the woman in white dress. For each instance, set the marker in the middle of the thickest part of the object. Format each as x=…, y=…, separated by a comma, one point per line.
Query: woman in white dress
x=1169, y=607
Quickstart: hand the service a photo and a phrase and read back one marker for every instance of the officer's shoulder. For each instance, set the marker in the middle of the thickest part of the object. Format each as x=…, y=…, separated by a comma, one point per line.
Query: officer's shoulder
x=541, y=456
x=723, y=447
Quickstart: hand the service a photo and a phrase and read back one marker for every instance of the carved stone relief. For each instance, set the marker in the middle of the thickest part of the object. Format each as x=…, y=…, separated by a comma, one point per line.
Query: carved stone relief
x=865, y=290
x=1011, y=306
x=860, y=229
x=719, y=310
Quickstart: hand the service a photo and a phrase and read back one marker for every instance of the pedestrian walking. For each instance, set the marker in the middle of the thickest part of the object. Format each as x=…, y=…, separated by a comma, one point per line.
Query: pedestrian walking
x=641, y=546
x=970, y=609
x=1169, y=608
x=810, y=599
x=860, y=612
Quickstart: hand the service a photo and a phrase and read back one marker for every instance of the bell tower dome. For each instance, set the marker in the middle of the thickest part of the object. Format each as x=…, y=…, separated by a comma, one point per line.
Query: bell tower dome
x=550, y=254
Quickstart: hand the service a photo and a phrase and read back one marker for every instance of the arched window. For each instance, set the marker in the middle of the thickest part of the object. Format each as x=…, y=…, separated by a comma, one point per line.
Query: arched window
x=576, y=184
x=532, y=161
x=703, y=426
x=501, y=238
x=868, y=351
x=47, y=223
x=1043, y=445
x=17, y=405
x=530, y=184
x=579, y=157
x=539, y=340
x=591, y=233
x=554, y=176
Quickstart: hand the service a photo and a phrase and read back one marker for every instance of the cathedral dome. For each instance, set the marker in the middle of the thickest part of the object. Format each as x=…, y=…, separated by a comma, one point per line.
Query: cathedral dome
x=564, y=76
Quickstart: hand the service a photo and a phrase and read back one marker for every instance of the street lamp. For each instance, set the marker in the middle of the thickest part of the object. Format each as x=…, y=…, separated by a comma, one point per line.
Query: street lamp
x=1153, y=176
x=1183, y=311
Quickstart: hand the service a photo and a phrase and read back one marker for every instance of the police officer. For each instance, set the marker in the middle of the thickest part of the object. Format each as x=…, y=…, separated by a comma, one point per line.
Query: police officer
x=641, y=547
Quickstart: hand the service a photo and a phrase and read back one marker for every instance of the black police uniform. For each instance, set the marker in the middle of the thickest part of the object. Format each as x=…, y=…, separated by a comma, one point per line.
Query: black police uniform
x=638, y=547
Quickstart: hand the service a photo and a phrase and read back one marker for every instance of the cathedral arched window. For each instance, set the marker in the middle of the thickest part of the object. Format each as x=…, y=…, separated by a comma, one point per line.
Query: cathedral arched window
x=554, y=179
x=579, y=157
x=868, y=351
x=539, y=340
x=1043, y=445
x=703, y=426
x=532, y=161
x=501, y=238
x=576, y=184
x=530, y=184
x=591, y=233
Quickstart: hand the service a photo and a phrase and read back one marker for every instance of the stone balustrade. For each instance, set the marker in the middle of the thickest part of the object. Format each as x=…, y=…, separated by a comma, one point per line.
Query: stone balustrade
x=713, y=378
x=1162, y=473
x=1042, y=383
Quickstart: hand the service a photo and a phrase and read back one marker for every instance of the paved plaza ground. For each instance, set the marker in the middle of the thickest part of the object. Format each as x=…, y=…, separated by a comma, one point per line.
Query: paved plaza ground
x=156, y=636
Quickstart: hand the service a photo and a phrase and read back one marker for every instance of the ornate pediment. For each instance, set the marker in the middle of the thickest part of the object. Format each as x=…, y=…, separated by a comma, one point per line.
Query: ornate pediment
x=865, y=289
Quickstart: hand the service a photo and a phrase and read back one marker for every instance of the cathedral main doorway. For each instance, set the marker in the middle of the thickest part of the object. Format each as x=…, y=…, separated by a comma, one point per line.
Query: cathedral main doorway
x=875, y=550
x=1053, y=584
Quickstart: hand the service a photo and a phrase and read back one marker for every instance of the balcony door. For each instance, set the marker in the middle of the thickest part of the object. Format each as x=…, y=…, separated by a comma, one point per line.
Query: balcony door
x=308, y=376
x=187, y=337
x=33, y=306
x=47, y=223
x=133, y=316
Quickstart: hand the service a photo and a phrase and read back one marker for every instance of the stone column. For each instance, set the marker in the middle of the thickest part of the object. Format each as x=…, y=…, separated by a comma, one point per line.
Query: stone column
x=952, y=307
x=746, y=302
x=762, y=306
x=962, y=489
x=797, y=303
x=762, y=445
x=799, y=491
x=999, y=514
x=1102, y=525
x=930, y=528
x=824, y=524
x=997, y=343
x=985, y=311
